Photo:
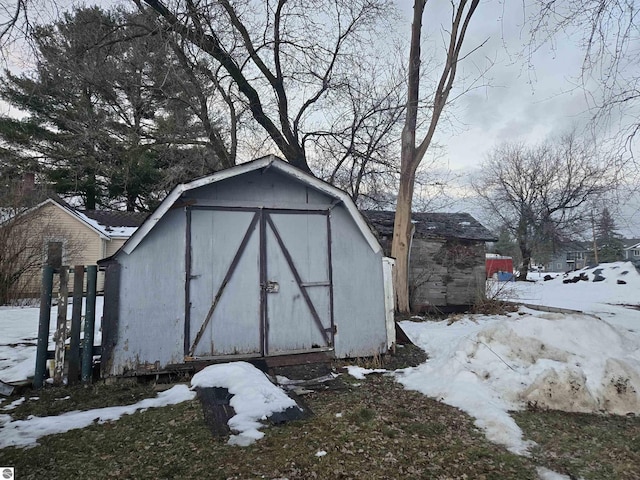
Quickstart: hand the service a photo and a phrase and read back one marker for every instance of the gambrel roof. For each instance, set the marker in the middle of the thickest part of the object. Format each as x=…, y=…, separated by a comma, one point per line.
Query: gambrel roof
x=269, y=162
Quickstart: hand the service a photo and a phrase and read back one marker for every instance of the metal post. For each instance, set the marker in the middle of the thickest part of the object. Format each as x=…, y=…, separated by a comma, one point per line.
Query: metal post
x=76, y=320
x=89, y=324
x=43, y=326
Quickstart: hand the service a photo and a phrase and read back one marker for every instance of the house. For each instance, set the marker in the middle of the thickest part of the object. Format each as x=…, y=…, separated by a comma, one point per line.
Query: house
x=632, y=251
x=54, y=233
x=255, y=261
x=447, y=259
x=570, y=256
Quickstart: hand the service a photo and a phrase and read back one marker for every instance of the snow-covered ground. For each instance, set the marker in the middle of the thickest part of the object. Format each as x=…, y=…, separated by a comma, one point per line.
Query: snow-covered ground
x=25, y=433
x=488, y=365
x=19, y=335
x=254, y=399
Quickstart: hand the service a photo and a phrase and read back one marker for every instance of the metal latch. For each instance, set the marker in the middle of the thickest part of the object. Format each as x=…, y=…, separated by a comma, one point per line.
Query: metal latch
x=272, y=287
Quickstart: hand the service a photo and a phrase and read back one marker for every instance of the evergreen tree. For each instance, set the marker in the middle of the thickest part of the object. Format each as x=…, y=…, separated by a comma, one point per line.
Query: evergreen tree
x=109, y=116
x=507, y=246
x=608, y=240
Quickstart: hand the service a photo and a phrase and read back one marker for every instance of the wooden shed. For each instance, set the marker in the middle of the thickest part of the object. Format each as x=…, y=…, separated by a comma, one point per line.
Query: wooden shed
x=447, y=258
x=258, y=260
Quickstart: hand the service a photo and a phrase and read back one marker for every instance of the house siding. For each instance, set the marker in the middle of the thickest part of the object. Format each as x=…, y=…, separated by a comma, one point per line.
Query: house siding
x=113, y=245
x=81, y=245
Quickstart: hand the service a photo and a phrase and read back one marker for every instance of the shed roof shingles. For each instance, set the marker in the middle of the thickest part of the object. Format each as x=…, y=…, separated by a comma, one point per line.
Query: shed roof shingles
x=433, y=225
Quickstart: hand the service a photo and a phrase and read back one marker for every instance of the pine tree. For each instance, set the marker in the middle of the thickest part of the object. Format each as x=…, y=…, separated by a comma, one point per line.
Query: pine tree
x=506, y=245
x=608, y=240
x=109, y=115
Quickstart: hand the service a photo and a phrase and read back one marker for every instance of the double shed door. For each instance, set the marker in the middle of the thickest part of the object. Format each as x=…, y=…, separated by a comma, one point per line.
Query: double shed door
x=258, y=282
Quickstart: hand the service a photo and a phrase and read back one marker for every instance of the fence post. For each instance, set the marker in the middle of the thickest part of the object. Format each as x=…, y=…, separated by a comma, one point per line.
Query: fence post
x=76, y=319
x=61, y=328
x=89, y=324
x=43, y=326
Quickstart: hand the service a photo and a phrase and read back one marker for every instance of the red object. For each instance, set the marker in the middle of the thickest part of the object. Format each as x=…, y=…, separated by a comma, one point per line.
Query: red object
x=498, y=264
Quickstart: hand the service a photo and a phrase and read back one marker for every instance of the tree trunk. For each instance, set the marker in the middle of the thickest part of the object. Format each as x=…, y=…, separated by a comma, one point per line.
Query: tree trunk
x=92, y=196
x=400, y=247
x=131, y=202
x=526, y=261
x=412, y=155
x=409, y=161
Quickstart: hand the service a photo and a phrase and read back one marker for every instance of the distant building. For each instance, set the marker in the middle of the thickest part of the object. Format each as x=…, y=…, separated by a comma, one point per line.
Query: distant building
x=632, y=251
x=447, y=260
x=570, y=256
x=54, y=233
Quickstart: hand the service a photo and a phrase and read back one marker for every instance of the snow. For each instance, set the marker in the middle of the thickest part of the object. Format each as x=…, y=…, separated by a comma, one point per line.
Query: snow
x=107, y=231
x=594, y=296
x=546, y=474
x=25, y=433
x=13, y=404
x=488, y=365
x=359, y=372
x=254, y=398
x=18, y=340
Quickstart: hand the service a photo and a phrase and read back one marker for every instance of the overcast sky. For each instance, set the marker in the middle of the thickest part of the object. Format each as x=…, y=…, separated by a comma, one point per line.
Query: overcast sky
x=520, y=103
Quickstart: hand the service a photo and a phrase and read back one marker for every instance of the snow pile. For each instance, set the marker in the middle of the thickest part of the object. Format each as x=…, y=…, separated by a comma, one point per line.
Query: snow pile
x=25, y=433
x=489, y=365
x=254, y=398
x=607, y=284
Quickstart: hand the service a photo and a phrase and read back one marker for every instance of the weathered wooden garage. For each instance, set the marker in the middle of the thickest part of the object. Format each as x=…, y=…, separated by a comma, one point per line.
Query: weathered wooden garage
x=259, y=260
x=447, y=258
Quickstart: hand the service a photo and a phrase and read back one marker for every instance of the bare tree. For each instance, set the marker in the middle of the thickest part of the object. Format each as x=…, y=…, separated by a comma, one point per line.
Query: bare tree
x=608, y=34
x=358, y=150
x=540, y=193
x=284, y=57
x=412, y=152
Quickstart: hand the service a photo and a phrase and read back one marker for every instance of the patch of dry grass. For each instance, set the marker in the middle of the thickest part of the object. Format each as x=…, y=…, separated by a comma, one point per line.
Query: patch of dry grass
x=583, y=445
x=370, y=429
x=54, y=401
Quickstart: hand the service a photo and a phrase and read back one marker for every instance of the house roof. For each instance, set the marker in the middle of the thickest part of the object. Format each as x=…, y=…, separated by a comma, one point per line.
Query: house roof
x=630, y=243
x=107, y=224
x=115, y=223
x=433, y=225
x=271, y=162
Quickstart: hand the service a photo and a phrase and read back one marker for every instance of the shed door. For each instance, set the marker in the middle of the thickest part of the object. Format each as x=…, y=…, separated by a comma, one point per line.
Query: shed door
x=224, y=284
x=258, y=282
x=298, y=265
